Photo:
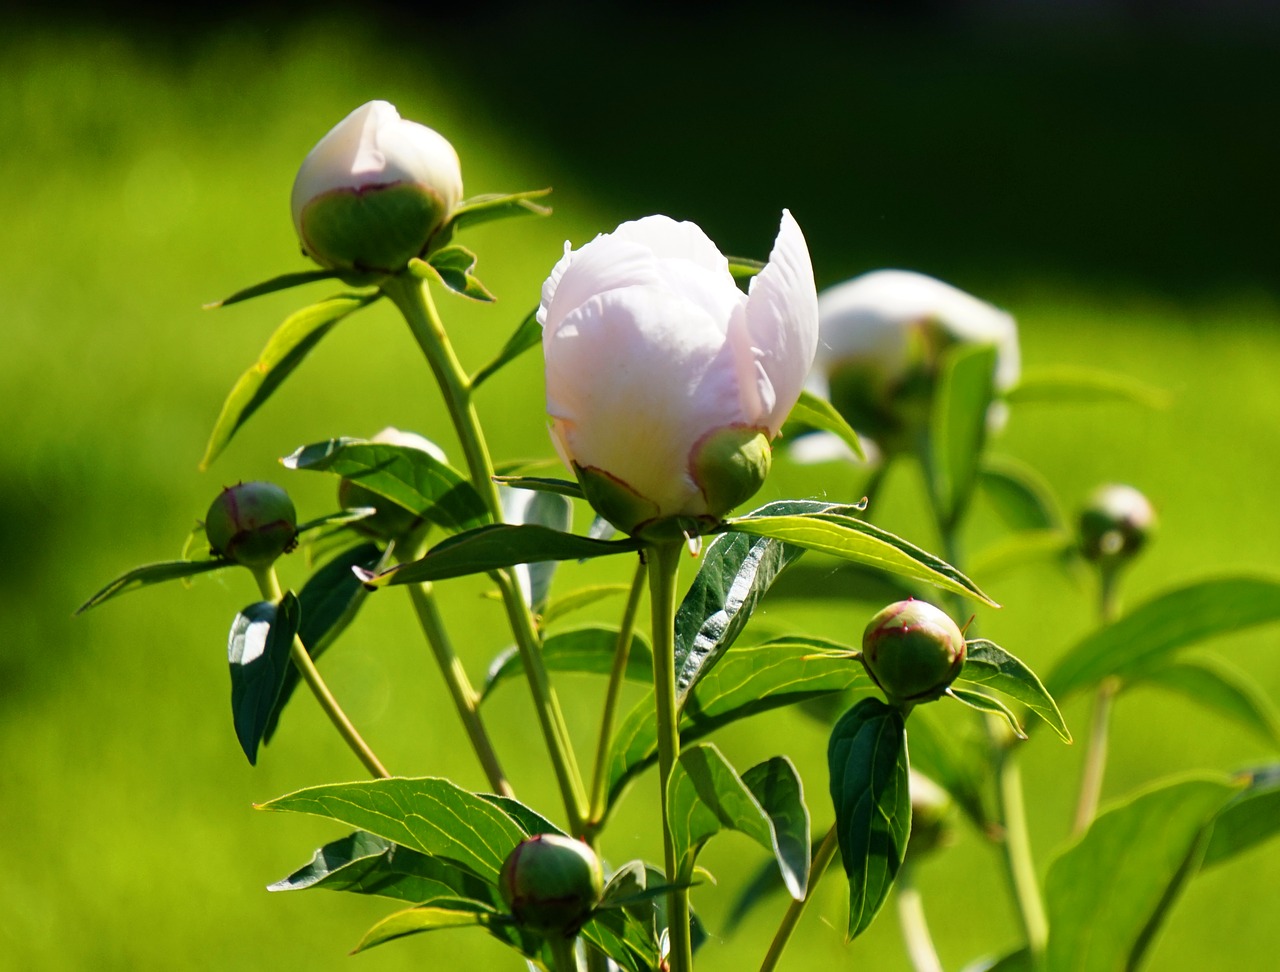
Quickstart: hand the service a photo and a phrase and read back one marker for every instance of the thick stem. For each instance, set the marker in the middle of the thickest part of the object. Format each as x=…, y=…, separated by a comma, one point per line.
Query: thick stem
x=915, y=928
x=269, y=585
x=564, y=957
x=1095, y=760
x=618, y=675
x=465, y=700
x=826, y=851
x=413, y=299
x=1019, y=863
x=664, y=564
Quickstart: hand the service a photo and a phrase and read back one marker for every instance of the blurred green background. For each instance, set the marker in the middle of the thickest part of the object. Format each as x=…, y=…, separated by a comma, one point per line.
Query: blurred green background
x=1109, y=180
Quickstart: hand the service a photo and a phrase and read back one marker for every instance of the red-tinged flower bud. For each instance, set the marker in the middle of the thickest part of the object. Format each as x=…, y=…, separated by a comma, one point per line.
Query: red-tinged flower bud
x=1115, y=524
x=913, y=651
x=252, y=523
x=551, y=883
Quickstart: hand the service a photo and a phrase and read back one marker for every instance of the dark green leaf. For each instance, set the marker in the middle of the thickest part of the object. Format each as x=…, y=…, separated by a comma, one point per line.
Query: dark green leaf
x=989, y=666
x=1107, y=894
x=427, y=814
x=1075, y=385
x=328, y=603
x=282, y=282
x=149, y=574
x=958, y=424
x=258, y=653
x=441, y=913
x=818, y=413
x=867, y=760
x=549, y=510
x=340, y=518
x=1251, y=817
x=589, y=649
x=1017, y=961
x=1160, y=627
x=526, y=337
x=541, y=484
x=1022, y=497
x=453, y=266
x=286, y=349
x=579, y=599
x=493, y=547
x=364, y=864
x=496, y=205
x=853, y=539
x=409, y=477
x=748, y=680
x=988, y=704
x=1218, y=686
x=744, y=268
x=705, y=796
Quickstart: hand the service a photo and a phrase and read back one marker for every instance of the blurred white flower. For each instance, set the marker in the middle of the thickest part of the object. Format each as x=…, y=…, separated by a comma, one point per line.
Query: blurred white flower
x=374, y=191
x=665, y=382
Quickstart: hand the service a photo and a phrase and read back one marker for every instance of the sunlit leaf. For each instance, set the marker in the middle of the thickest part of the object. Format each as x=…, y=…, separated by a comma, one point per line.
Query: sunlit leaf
x=496, y=205
x=258, y=652
x=988, y=704
x=818, y=413
x=990, y=667
x=550, y=510
x=441, y=913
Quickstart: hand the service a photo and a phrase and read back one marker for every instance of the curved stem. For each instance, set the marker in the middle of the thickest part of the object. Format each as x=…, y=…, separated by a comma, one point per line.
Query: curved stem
x=1019, y=864
x=617, y=676
x=413, y=299
x=269, y=585
x=1095, y=760
x=915, y=928
x=663, y=568
x=826, y=851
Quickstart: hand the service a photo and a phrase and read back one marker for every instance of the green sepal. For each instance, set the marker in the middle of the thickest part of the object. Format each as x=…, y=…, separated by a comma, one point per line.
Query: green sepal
x=453, y=266
x=730, y=466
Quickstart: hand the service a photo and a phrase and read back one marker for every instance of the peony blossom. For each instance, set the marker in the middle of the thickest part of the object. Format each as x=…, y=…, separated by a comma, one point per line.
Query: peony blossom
x=374, y=192
x=665, y=382
x=882, y=335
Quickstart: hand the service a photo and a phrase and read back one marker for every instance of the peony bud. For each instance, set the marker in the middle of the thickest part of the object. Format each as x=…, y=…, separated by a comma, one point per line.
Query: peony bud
x=392, y=520
x=882, y=337
x=665, y=382
x=251, y=523
x=1115, y=524
x=913, y=651
x=551, y=883
x=375, y=191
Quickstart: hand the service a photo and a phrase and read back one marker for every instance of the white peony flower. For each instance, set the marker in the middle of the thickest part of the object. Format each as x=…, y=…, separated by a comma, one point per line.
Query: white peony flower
x=374, y=191
x=665, y=382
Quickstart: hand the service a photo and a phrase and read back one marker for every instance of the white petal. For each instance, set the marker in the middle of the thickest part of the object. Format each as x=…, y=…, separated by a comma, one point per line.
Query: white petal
x=604, y=264
x=672, y=240
x=782, y=320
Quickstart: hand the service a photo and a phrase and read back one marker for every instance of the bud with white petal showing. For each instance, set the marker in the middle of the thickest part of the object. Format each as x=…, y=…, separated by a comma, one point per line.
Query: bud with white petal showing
x=1115, y=524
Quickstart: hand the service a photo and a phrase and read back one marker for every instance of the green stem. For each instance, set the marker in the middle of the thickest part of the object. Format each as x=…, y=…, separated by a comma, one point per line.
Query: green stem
x=465, y=700
x=663, y=568
x=269, y=585
x=621, y=655
x=1019, y=863
x=915, y=928
x=412, y=297
x=1095, y=760
x=564, y=957
x=826, y=851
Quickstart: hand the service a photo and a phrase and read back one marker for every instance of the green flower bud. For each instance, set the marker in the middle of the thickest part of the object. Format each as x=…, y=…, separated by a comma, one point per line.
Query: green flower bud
x=252, y=523
x=913, y=651
x=932, y=811
x=1115, y=524
x=551, y=883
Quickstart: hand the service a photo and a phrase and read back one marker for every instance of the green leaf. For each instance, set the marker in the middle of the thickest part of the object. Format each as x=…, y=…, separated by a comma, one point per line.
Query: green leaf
x=364, y=864
x=988, y=704
x=328, y=602
x=989, y=666
x=453, y=266
x=583, y=597
x=818, y=413
x=867, y=760
x=735, y=573
x=282, y=282
x=530, y=822
x=286, y=349
x=744, y=268
x=748, y=680
x=823, y=579
x=1023, y=498
x=861, y=542
x=1220, y=687
x=409, y=477
x=258, y=653
x=1019, y=549
x=1251, y=817
x=526, y=337
x=958, y=424
x=1160, y=627
x=549, y=510
x=493, y=547
x=149, y=574
x=705, y=796
x=585, y=650
x=1075, y=385
x=1107, y=894
x=426, y=814
x=433, y=916
x=337, y=519
x=542, y=484
x=495, y=205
